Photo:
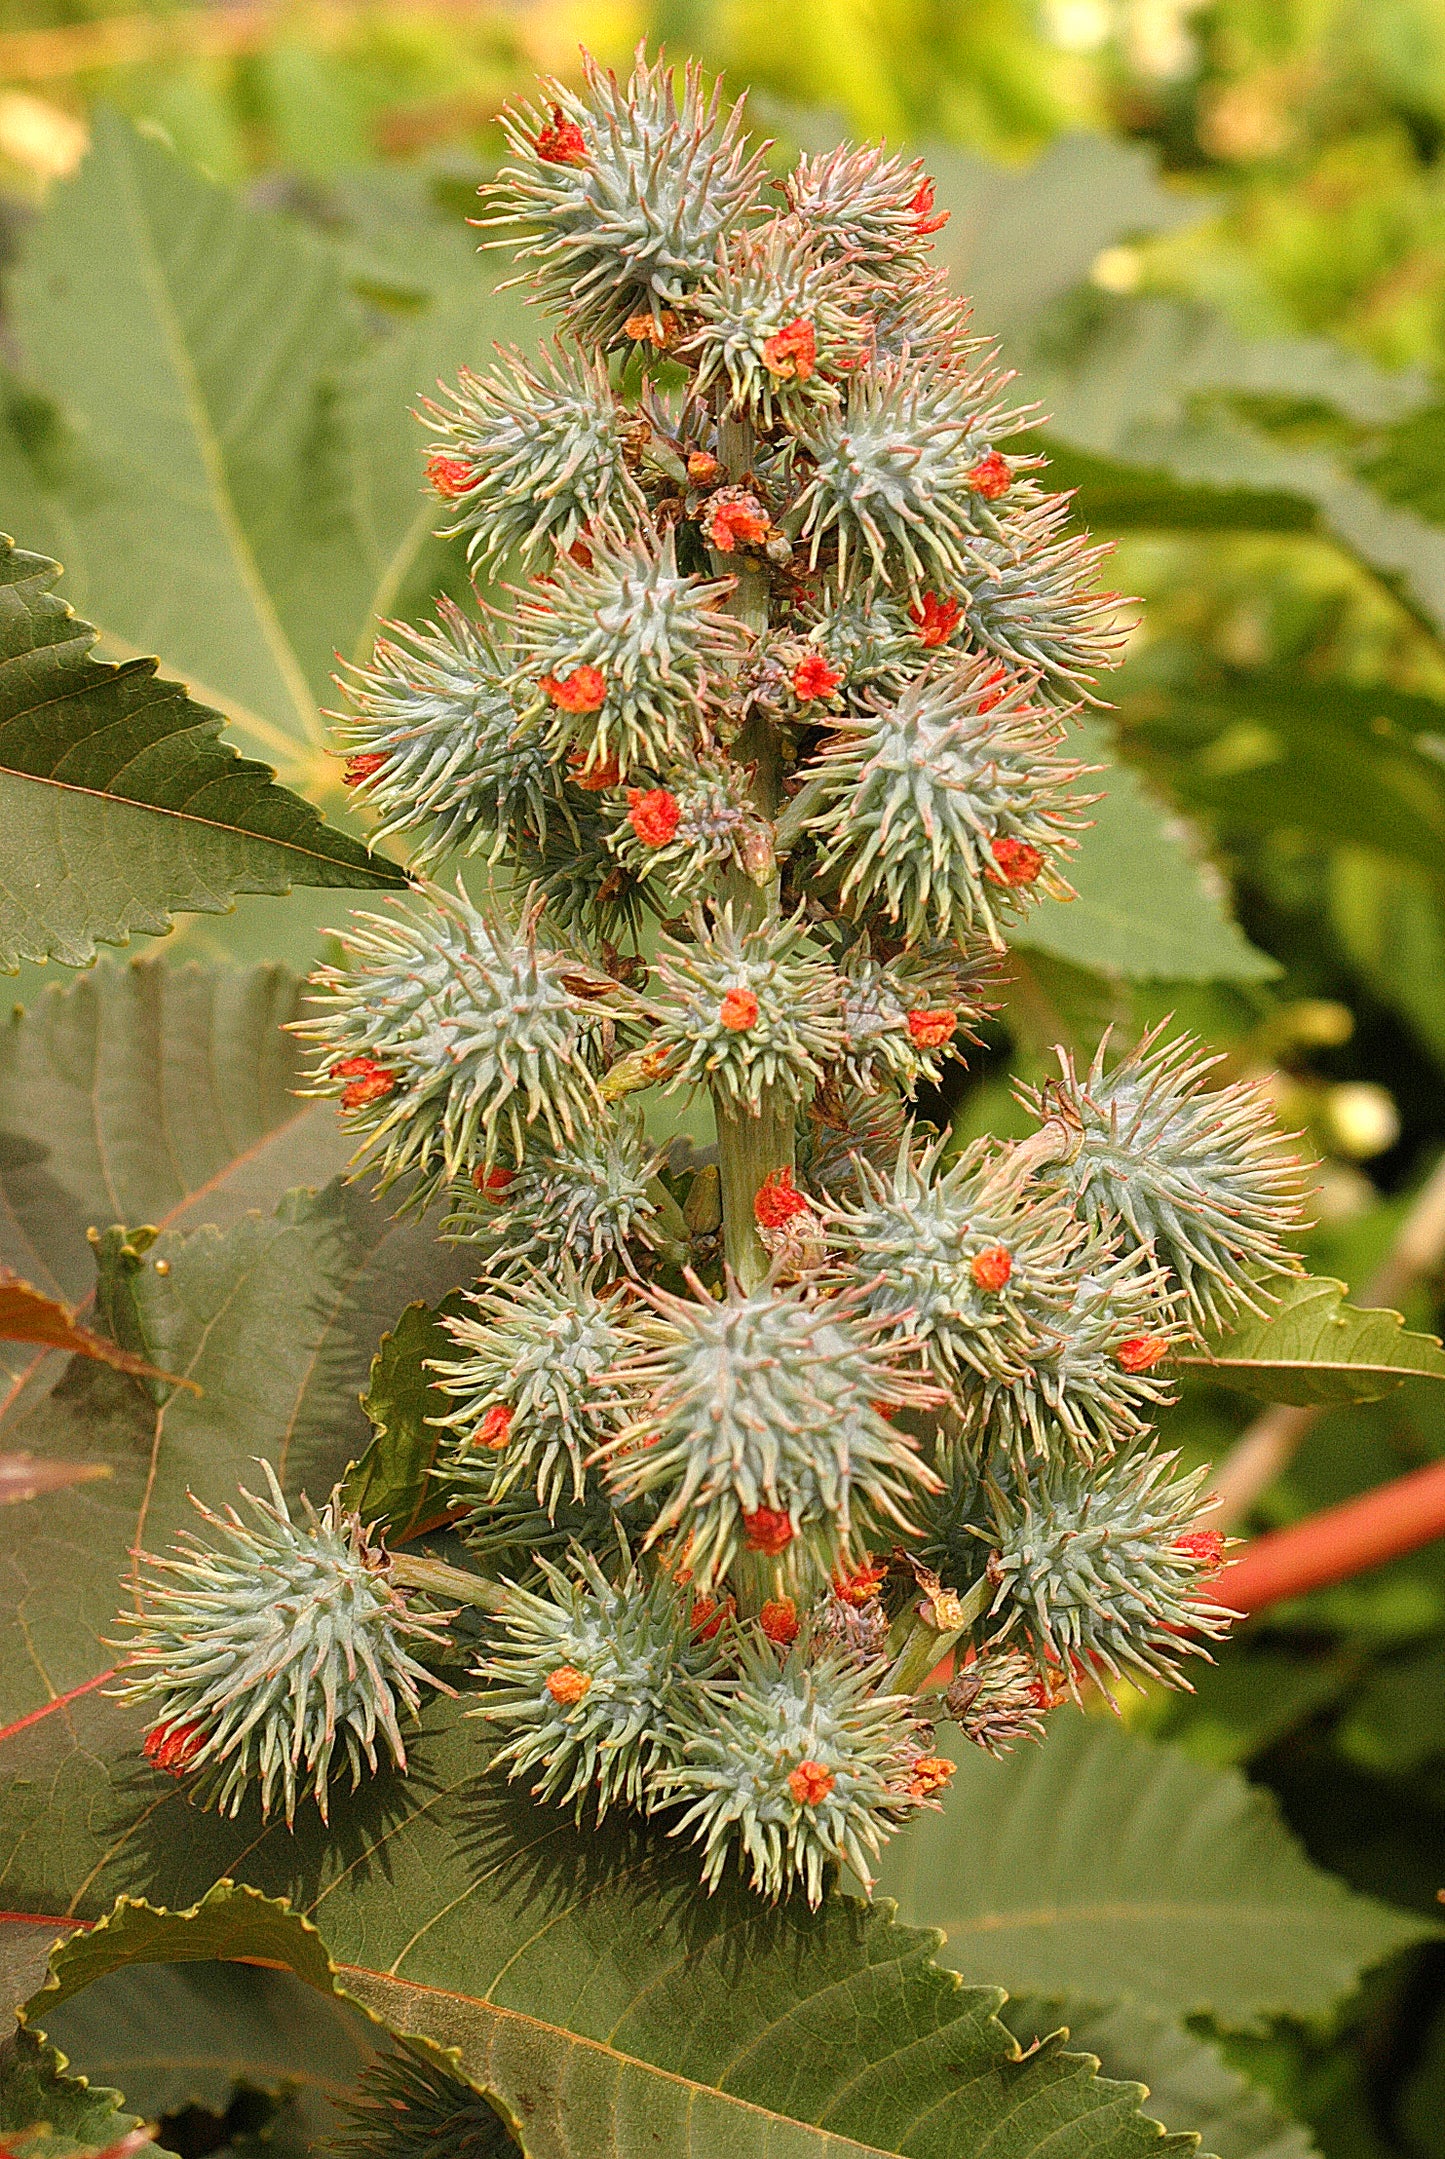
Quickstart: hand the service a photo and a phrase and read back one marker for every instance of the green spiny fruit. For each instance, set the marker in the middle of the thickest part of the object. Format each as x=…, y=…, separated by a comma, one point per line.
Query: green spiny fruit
x=699, y=819
x=534, y=454
x=863, y=632
x=619, y=200
x=903, y=1016
x=1200, y=1174
x=435, y=744
x=1099, y=1567
x=622, y=649
x=948, y=810
x=586, y=1683
x=997, y=1700
x=587, y=894
x=798, y=1767
x=777, y=322
x=842, y=1126
x=529, y=1393
x=447, y=1035
x=1031, y=601
x=758, y=1423
x=513, y=1531
x=901, y=472
x=407, y=2106
x=960, y=1258
x=741, y=1010
x=869, y=210
x=272, y=1648
x=593, y=1201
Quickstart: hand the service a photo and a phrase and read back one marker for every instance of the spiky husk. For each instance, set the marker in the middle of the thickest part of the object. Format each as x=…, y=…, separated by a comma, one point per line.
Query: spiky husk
x=794, y=1031
x=843, y=1125
x=767, y=1402
x=1089, y=1569
x=891, y=473
x=407, y=2106
x=916, y=794
x=513, y=1532
x=863, y=207
x=1074, y=1390
x=635, y=227
x=1200, y=1174
x=655, y=636
x=716, y=823
x=862, y=630
x=745, y=1738
x=1031, y=600
x=536, y=1345
x=915, y=1236
x=633, y=1641
x=592, y=1202
x=767, y=281
x=458, y=765
x=587, y=894
x=548, y=446
x=997, y=1700
x=271, y=1647
x=468, y=1017
x=881, y=995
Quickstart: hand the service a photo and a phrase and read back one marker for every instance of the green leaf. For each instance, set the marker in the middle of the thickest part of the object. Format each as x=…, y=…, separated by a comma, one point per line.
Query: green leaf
x=1101, y=1866
x=1189, y=2085
x=1313, y=1347
x=45, y=2114
x=393, y=1483
x=119, y=805
x=1144, y=908
x=586, y=1985
x=218, y=437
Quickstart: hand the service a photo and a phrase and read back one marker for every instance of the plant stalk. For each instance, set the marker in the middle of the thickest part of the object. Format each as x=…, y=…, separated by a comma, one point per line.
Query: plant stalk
x=456, y=1584
x=926, y=1645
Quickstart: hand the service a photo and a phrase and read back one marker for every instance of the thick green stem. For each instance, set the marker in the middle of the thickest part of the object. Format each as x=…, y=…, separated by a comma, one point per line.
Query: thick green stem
x=750, y=1148
x=455, y=1585
x=926, y=1645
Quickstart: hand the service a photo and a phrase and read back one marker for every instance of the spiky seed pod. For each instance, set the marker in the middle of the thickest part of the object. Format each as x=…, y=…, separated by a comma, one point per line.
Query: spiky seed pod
x=842, y=1125
x=866, y=209
x=700, y=816
x=588, y=1681
x=546, y=445
x=960, y=1258
x=1093, y=1377
x=1094, y=1567
x=950, y=809
x=997, y=1700
x=775, y=323
x=513, y=1532
x=272, y=1647
x=767, y=1405
x=923, y=318
x=746, y=1010
x=903, y=1016
x=893, y=470
x=797, y=1768
x=435, y=744
x=1200, y=1174
x=651, y=637
x=591, y=1202
x=586, y=893
x=531, y=1402
x=864, y=632
x=466, y=1017
x=407, y=2106
x=630, y=220
x=1031, y=599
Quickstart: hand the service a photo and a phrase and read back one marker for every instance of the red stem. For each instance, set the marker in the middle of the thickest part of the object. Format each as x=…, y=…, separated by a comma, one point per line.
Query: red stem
x=1337, y=1543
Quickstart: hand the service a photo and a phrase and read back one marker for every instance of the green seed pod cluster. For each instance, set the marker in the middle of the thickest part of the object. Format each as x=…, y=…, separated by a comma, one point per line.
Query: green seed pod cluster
x=769, y=1394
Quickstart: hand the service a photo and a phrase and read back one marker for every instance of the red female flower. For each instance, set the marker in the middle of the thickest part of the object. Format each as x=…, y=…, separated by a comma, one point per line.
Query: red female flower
x=813, y=677
x=1205, y=1545
x=930, y=1030
x=362, y=766
x=173, y=1747
x=991, y=477
x=992, y=1269
x=935, y=619
x=811, y=1783
x=581, y=691
x=738, y=1011
x=1015, y=863
x=924, y=221
x=930, y=1773
x=768, y=1530
x=450, y=476
x=992, y=690
x=493, y=1181
x=734, y=518
x=793, y=353
x=653, y=814
x=1141, y=1352
x=709, y=1614
x=779, y=1621
x=593, y=777
x=561, y=142
x=567, y=1685
x=778, y=1201
x=366, y=1081
x=494, y=1427
x=863, y=1585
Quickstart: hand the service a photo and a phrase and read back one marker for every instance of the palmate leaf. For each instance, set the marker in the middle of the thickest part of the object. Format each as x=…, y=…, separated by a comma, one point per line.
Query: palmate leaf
x=45, y=2114
x=1314, y=1347
x=119, y=806
x=1098, y=1865
x=392, y=1484
x=602, y=2032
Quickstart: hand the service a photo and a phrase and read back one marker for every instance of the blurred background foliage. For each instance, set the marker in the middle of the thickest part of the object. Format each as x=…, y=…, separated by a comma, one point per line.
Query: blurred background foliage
x=1214, y=237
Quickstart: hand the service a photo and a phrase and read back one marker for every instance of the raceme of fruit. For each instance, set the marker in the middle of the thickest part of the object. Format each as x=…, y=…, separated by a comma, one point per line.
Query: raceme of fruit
x=772, y=1453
